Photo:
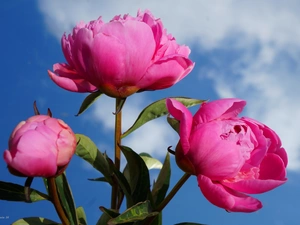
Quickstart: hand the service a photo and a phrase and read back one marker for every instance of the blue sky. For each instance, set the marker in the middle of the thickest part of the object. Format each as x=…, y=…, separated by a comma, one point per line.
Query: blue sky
x=245, y=49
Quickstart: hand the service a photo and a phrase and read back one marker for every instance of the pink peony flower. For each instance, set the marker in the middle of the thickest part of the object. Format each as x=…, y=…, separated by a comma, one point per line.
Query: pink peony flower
x=230, y=156
x=121, y=57
x=40, y=146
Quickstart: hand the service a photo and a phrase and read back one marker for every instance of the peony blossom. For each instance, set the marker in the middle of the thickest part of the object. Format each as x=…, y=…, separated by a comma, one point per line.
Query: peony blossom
x=230, y=156
x=40, y=146
x=121, y=57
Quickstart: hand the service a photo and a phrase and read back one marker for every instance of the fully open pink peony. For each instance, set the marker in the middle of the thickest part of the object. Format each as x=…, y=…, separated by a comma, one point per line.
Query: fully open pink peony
x=121, y=57
x=230, y=156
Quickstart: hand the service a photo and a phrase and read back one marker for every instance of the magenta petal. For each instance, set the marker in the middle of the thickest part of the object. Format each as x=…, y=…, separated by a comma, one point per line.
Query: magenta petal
x=75, y=85
x=219, y=109
x=272, y=174
x=226, y=198
x=181, y=113
x=35, y=158
x=254, y=186
x=272, y=167
x=122, y=52
x=166, y=72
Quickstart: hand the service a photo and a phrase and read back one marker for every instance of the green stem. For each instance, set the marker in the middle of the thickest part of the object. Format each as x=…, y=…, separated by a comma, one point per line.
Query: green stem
x=27, y=188
x=55, y=200
x=172, y=193
x=118, y=132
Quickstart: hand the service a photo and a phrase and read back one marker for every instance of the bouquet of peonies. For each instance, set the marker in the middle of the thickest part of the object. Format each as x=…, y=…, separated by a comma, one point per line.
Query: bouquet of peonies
x=231, y=156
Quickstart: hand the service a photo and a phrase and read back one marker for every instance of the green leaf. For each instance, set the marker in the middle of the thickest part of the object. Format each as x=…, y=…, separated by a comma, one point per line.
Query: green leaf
x=87, y=150
x=162, y=183
x=138, y=176
x=101, y=179
x=188, y=223
x=150, y=162
x=122, y=182
x=138, y=212
x=104, y=218
x=120, y=104
x=34, y=221
x=112, y=213
x=173, y=123
x=15, y=192
x=88, y=101
x=66, y=198
x=81, y=216
x=156, y=110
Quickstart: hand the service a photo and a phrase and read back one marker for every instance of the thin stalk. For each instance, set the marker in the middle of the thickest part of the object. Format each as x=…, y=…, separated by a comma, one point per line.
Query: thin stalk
x=118, y=132
x=55, y=200
x=172, y=193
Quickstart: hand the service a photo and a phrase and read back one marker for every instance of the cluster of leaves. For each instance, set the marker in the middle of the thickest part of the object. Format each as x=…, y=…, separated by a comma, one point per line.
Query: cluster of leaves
x=143, y=199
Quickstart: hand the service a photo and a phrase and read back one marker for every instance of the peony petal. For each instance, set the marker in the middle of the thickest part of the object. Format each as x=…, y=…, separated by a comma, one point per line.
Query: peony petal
x=122, y=52
x=212, y=155
x=34, y=158
x=283, y=155
x=75, y=85
x=166, y=72
x=272, y=167
x=226, y=198
x=181, y=113
x=219, y=109
x=272, y=174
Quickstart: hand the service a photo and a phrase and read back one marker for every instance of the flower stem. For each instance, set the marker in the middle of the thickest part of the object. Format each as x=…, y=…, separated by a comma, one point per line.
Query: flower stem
x=118, y=132
x=55, y=200
x=172, y=193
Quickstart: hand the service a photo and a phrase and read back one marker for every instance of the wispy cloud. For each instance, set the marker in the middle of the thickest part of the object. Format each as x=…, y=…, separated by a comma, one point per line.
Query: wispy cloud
x=253, y=45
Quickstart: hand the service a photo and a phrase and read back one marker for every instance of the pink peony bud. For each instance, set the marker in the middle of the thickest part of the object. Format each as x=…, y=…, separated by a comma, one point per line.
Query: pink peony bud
x=40, y=146
x=121, y=57
x=230, y=156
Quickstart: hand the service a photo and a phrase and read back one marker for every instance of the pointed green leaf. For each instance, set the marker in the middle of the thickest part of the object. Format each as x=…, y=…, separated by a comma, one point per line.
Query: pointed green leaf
x=122, y=182
x=188, y=223
x=35, y=221
x=66, y=198
x=81, y=216
x=102, y=179
x=156, y=110
x=173, y=123
x=87, y=150
x=138, y=212
x=162, y=183
x=104, y=218
x=120, y=104
x=138, y=178
x=15, y=192
x=88, y=101
x=112, y=213
x=151, y=162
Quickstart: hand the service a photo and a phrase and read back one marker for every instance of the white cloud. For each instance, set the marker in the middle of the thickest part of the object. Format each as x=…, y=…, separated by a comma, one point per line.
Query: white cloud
x=265, y=34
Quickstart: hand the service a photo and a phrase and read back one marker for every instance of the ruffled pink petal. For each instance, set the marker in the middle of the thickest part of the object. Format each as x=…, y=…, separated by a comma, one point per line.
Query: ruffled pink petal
x=219, y=109
x=181, y=113
x=122, y=52
x=213, y=156
x=283, y=155
x=272, y=167
x=75, y=85
x=254, y=186
x=226, y=198
x=166, y=72
x=271, y=175
x=81, y=51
